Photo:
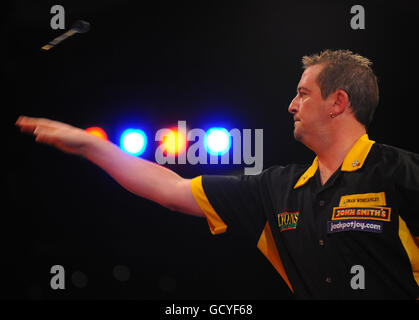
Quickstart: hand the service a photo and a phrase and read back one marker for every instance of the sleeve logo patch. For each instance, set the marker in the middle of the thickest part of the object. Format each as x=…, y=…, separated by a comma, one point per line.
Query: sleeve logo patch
x=370, y=213
x=287, y=220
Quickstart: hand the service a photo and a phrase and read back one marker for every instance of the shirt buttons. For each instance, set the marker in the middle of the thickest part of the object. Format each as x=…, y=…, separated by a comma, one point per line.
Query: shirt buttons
x=321, y=203
x=328, y=280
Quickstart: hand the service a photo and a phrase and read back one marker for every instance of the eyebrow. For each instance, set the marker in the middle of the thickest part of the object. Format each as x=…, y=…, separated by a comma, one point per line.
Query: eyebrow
x=303, y=88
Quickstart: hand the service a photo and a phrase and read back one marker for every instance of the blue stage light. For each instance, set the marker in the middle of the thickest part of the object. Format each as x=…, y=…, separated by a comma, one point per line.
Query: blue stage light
x=217, y=141
x=133, y=141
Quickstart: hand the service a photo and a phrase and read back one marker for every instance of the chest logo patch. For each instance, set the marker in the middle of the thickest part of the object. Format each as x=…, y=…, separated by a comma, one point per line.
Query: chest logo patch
x=363, y=199
x=287, y=220
x=370, y=213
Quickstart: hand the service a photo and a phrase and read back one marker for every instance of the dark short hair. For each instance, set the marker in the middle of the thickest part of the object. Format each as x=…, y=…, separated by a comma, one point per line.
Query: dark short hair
x=349, y=72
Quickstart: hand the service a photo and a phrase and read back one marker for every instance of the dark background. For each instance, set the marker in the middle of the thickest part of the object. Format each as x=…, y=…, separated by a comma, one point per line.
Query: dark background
x=150, y=64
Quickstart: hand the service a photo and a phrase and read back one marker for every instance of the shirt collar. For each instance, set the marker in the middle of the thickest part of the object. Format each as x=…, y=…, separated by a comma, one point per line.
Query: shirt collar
x=353, y=161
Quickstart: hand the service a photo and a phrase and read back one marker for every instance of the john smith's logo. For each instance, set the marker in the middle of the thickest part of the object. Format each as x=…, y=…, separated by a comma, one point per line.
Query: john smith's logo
x=287, y=220
x=369, y=213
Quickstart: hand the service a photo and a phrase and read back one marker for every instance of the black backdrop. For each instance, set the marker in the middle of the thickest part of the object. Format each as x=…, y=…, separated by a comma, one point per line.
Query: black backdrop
x=150, y=64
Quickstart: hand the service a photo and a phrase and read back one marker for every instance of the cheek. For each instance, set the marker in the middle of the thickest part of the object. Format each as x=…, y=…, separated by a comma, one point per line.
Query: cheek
x=305, y=110
x=310, y=111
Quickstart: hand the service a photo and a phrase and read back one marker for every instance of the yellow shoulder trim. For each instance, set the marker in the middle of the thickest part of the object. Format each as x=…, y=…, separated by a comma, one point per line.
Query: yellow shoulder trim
x=267, y=246
x=216, y=224
x=411, y=248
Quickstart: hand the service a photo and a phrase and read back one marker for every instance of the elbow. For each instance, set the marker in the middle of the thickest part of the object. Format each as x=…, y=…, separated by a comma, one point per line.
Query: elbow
x=179, y=198
x=171, y=207
x=184, y=208
x=171, y=202
x=167, y=200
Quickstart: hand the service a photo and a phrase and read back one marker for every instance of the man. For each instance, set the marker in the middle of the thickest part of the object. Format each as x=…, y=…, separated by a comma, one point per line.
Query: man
x=345, y=227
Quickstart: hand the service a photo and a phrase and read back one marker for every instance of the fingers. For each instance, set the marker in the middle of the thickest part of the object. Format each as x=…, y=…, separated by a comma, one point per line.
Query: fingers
x=28, y=124
x=28, y=121
x=44, y=134
x=41, y=128
x=50, y=132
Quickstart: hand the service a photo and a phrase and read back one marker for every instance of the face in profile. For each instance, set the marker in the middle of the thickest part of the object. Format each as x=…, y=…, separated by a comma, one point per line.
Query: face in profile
x=308, y=107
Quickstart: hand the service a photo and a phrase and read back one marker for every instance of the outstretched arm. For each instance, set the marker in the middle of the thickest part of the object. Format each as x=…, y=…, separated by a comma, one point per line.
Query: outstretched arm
x=141, y=177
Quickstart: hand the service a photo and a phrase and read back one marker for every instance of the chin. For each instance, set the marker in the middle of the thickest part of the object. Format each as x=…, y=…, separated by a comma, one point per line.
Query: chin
x=298, y=135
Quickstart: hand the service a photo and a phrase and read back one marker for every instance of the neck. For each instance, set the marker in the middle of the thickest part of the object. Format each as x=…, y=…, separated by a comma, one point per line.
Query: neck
x=333, y=149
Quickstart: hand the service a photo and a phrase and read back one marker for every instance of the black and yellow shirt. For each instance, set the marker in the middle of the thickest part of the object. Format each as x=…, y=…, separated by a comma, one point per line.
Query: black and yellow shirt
x=365, y=216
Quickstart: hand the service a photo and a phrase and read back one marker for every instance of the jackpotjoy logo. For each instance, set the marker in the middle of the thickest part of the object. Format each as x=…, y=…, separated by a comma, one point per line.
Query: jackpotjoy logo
x=215, y=146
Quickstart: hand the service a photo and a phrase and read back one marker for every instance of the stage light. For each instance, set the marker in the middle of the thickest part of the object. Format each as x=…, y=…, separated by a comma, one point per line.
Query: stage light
x=133, y=141
x=174, y=141
x=98, y=132
x=217, y=141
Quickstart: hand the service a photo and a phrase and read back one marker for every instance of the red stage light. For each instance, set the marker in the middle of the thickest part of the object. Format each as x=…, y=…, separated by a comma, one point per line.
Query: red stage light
x=98, y=132
x=174, y=142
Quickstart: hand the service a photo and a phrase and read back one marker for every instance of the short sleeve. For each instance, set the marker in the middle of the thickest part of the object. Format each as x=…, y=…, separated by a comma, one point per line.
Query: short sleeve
x=231, y=202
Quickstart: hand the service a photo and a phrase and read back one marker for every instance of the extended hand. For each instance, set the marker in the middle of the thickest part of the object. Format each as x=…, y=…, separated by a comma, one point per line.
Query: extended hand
x=58, y=134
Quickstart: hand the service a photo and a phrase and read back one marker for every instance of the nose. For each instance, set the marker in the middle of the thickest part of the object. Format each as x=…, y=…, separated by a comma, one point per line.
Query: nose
x=293, y=107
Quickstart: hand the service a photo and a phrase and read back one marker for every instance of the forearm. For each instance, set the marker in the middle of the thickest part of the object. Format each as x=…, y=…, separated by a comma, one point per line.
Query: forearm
x=141, y=177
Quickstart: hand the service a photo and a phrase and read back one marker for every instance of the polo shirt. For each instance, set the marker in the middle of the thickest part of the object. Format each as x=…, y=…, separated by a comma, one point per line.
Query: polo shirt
x=351, y=238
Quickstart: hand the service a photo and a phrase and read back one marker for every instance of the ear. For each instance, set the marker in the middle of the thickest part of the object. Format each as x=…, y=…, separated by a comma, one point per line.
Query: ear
x=341, y=102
